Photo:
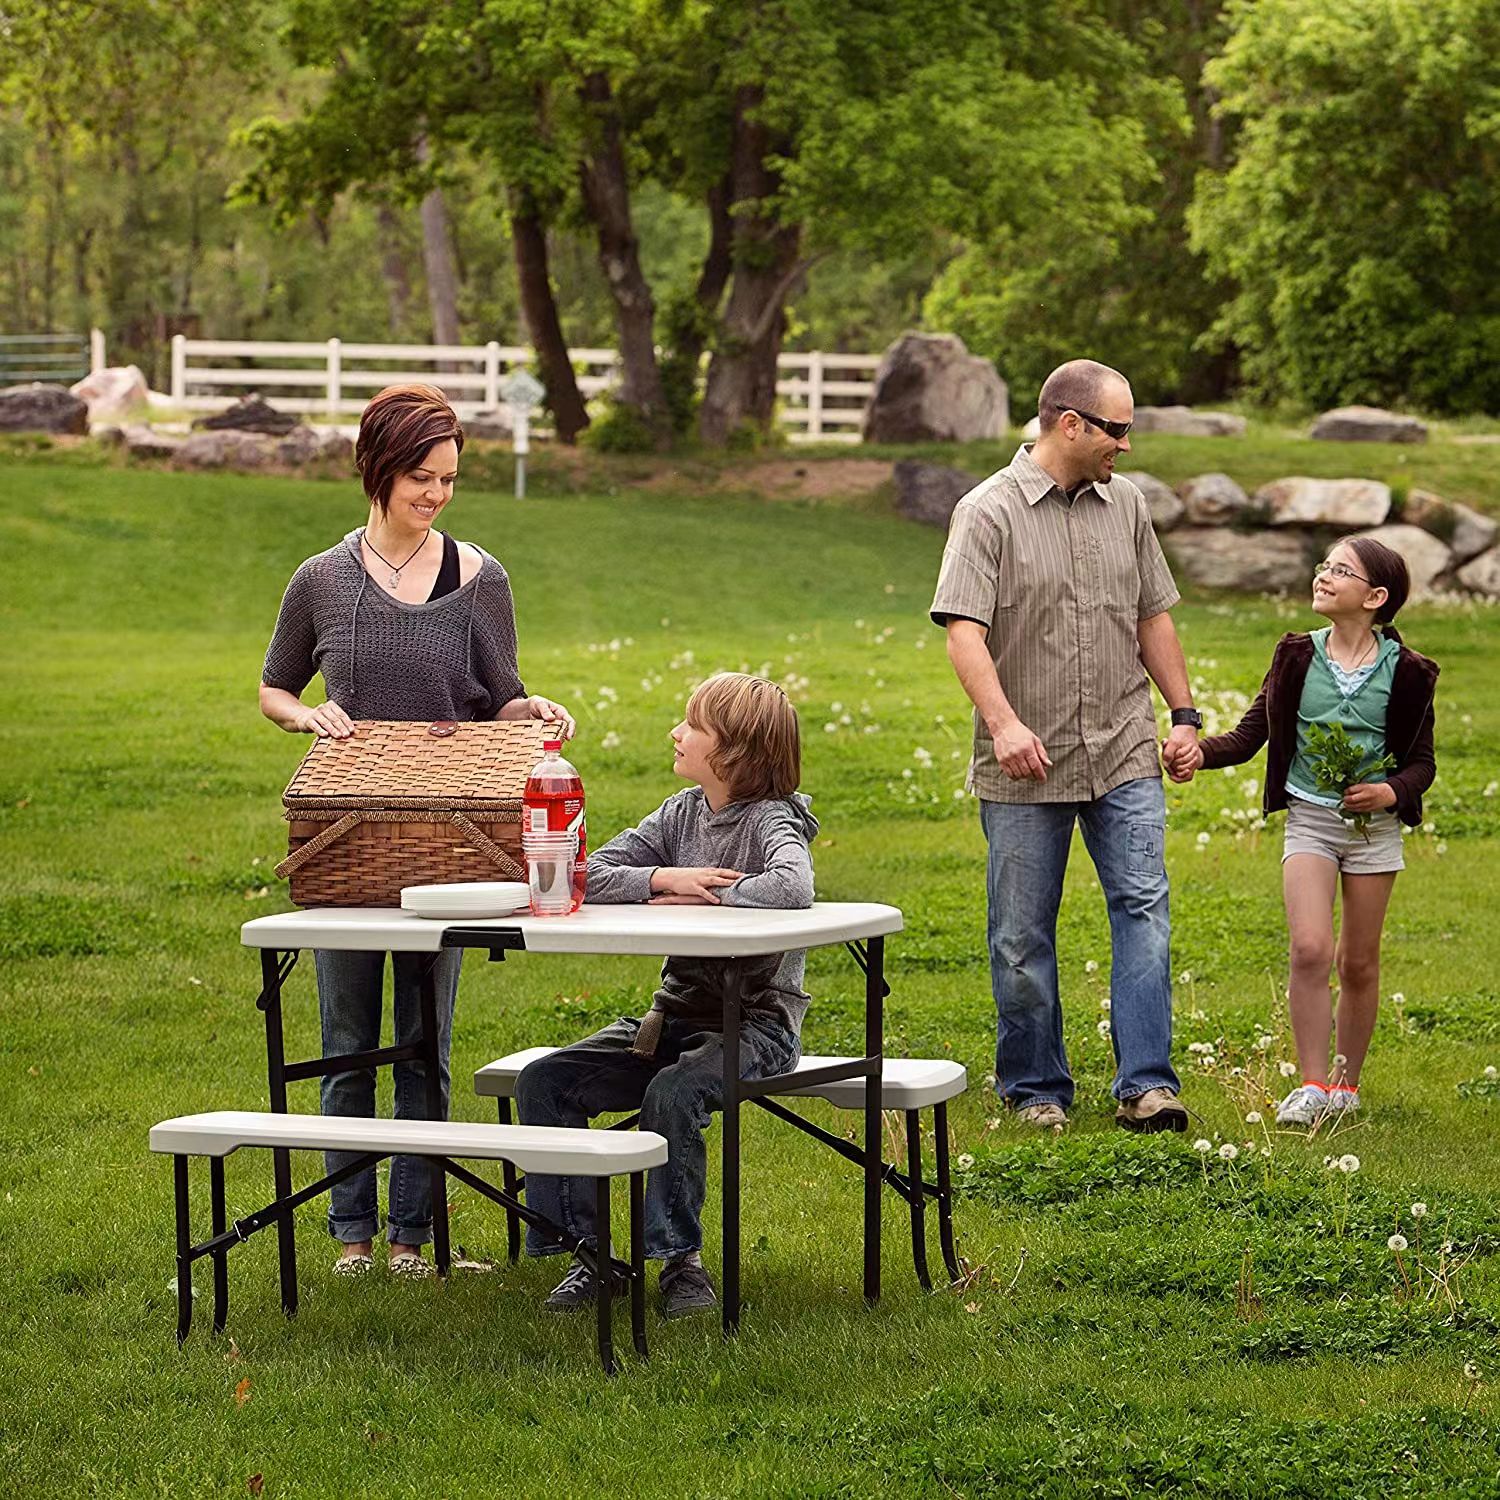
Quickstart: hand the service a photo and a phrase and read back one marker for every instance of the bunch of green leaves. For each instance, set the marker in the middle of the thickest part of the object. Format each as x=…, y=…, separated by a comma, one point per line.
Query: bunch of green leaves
x=1338, y=763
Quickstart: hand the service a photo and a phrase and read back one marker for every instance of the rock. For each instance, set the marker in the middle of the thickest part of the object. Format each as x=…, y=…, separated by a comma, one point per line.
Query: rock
x=306, y=445
x=141, y=441
x=929, y=388
x=1183, y=421
x=1466, y=531
x=1214, y=500
x=1214, y=557
x=1367, y=424
x=1427, y=559
x=228, y=449
x=928, y=492
x=113, y=393
x=42, y=408
x=1032, y=430
x=1482, y=574
x=337, y=449
x=1349, y=503
x=249, y=414
x=1161, y=500
x=491, y=426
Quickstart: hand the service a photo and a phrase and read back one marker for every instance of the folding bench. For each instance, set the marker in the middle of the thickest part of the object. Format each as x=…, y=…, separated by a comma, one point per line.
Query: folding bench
x=579, y=1153
x=908, y=1084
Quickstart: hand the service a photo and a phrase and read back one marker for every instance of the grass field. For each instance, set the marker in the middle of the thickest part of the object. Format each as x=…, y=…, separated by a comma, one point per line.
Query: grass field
x=1140, y=1319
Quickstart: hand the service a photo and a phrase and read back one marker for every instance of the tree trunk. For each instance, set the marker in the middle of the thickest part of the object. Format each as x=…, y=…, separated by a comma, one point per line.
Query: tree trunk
x=442, y=272
x=393, y=269
x=539, y=308
x=605, y=182
x=741, y=389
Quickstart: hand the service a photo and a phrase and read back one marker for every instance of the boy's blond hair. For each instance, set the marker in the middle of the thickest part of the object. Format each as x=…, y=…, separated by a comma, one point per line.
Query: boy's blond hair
x=759, y=754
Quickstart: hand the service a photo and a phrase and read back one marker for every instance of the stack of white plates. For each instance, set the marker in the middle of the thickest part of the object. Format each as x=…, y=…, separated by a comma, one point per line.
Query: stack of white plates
x=478, y=898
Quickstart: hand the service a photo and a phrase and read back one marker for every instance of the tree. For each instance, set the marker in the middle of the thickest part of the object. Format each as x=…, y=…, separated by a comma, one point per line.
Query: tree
x=1359, y=222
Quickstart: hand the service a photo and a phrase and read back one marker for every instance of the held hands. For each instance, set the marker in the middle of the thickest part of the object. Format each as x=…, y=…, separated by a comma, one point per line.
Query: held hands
x=1369, y=797
x=1021, y=754
x=327, y=720
x=538, y=707
x=673, y=885
x=1181, y=754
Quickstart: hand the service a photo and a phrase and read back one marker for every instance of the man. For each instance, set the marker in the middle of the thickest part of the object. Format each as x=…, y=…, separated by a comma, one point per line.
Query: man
x=1055, y=596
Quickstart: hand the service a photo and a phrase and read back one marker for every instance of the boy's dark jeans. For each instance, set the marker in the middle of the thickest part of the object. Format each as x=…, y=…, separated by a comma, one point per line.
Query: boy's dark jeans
x=675, y=1091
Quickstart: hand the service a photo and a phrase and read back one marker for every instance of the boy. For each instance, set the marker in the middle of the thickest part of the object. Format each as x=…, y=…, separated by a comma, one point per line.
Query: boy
x=738, y=837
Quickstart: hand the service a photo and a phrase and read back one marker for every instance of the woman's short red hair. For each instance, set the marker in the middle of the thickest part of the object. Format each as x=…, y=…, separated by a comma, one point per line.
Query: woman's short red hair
x=396, y=431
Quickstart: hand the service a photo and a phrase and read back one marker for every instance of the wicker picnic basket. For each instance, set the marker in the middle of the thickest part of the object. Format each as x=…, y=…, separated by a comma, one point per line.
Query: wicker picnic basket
x=401, y=804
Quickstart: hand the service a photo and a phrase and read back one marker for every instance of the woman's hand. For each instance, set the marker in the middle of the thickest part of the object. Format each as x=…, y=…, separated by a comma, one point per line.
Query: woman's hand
x=673, y=885
x=1369, y=796
x=538, y=707
x=327, y=720
x=1182, y=758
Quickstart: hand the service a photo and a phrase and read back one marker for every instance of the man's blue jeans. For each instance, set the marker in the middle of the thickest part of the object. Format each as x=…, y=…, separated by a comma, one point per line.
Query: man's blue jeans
x=1124, y=832
x=675, y=1091
x=351, y=998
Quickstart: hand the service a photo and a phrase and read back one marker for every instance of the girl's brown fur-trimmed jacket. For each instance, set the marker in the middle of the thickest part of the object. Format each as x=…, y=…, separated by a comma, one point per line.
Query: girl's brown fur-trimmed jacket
x=1272, y=720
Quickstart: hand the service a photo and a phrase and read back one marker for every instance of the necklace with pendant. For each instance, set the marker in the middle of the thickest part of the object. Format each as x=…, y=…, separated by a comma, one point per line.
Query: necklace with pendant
x=395, y=578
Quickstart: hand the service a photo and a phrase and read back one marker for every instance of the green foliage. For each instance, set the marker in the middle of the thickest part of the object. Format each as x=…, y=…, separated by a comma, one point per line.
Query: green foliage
x=622, y=429
x=1357, y=223
x=1338, y=763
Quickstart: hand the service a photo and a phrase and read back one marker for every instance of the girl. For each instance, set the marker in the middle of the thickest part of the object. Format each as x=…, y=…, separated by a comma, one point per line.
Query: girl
x=1356, y=675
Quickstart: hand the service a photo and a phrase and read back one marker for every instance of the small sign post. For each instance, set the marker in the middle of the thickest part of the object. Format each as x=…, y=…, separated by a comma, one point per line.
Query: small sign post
x=522, y=393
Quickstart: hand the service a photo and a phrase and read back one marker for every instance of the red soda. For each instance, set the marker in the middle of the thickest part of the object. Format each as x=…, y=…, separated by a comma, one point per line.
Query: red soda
x=553, y=802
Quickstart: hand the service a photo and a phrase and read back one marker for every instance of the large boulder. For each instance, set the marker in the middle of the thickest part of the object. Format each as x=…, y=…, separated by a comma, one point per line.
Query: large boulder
x=42, y=408
x=227, y=449
x=493, y=425
x=1482, y=574
x=1352, y=504
x=1427, y=559
x=1183, y=421
x=1367, y=424
x=1466, y=531
x=1161, y=500
x=113, y=393
x=1214, y=500
x=1214, y=557
x=141, y=441
x=929, y=388
x=249, y=414
x=928, y=492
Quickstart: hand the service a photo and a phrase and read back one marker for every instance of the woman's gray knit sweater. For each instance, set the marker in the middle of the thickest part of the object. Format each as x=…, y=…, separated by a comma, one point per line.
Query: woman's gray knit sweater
x=453, y=658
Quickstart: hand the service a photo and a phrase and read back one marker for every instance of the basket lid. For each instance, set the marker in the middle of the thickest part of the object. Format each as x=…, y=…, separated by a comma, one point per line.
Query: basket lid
x=399, y=764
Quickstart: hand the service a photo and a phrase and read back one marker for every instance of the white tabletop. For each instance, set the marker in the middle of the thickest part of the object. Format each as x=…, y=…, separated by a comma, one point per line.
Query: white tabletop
x=683, y=931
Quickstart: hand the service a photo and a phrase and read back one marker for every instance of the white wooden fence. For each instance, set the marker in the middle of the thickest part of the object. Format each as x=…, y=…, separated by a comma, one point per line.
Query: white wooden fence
x=823, y=396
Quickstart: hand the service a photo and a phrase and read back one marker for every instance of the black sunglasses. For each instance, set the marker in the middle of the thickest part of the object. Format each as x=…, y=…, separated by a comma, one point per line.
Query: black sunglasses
x=1119, y=431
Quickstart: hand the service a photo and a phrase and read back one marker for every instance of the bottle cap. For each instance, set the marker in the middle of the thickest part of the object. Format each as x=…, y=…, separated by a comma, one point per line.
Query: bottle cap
x=551, y=744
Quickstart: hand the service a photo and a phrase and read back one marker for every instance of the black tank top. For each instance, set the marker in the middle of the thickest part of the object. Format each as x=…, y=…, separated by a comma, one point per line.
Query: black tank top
x=447, y=579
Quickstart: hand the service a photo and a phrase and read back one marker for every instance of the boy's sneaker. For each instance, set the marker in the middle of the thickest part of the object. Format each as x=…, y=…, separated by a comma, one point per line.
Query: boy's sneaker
x=574, y=1291
x=686, y=1289
x=1342, y=1101
x=1304, y=1106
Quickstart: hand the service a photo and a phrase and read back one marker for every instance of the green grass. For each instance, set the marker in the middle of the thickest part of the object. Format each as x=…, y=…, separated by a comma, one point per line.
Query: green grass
x=1112, y=1340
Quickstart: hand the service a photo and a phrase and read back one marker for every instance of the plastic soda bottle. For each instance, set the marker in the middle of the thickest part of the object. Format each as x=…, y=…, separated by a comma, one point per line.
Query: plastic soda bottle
x=553, y=803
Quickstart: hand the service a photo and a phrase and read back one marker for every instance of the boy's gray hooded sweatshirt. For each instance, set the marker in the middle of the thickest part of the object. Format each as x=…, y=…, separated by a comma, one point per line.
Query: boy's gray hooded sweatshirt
x=767, y=840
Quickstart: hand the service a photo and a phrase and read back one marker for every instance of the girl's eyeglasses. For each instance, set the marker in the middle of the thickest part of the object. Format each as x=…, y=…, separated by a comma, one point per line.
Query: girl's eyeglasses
x=1339, y=570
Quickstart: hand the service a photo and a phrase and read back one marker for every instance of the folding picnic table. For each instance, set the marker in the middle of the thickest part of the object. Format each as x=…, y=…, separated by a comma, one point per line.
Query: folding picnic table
x=680, y=931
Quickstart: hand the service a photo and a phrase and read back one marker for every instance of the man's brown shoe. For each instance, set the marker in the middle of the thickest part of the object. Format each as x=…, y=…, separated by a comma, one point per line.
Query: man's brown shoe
x=1156, y=1109
x=1043, y=1116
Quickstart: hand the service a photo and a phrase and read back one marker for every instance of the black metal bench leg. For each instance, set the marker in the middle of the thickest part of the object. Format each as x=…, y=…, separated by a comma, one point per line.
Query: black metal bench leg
x=220, y=1256
x=435, y=1111
x=281, y=1160
x=918, y=1198
x=510, y=1178
x=184, y=1246
x=945, y=1192
x=604, y=1275
x=638, y=1263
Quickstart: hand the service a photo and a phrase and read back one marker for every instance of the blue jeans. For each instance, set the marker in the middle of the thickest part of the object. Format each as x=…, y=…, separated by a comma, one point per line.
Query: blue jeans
x=350, y=1000
x=675, y=1091
x=1124, y=832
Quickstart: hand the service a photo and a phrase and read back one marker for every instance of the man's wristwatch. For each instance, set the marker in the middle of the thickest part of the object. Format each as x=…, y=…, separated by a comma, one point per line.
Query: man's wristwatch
x=1187, y=716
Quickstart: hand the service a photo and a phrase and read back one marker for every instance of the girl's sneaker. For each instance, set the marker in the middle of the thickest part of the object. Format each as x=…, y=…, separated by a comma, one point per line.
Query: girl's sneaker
x=1342, y=1101
x=1303, y=1106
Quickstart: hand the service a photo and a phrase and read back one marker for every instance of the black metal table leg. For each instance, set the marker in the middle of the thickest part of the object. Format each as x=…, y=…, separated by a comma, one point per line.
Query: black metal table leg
x=281, y=1168
x=221, y=1256
x=511, y=1179
x=184, y=1246
x=638, y=1262
x=917, y=1198
x=431, y=1046
x=731, y=1150
x=945, y=1193
x=604, y=1275
x=874, y=1047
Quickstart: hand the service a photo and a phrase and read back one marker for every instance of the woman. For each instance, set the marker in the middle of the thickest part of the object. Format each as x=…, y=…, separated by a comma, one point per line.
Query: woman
x=403, y=623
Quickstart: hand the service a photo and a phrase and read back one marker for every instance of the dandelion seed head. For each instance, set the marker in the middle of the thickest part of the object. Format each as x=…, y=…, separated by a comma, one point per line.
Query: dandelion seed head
x=1397, y=1242
x=1253, y=1118
x=1419, y=1210
x=965, y=1159
x=1228, y=1151
x=1287, y=1069
x=1349, y=1163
